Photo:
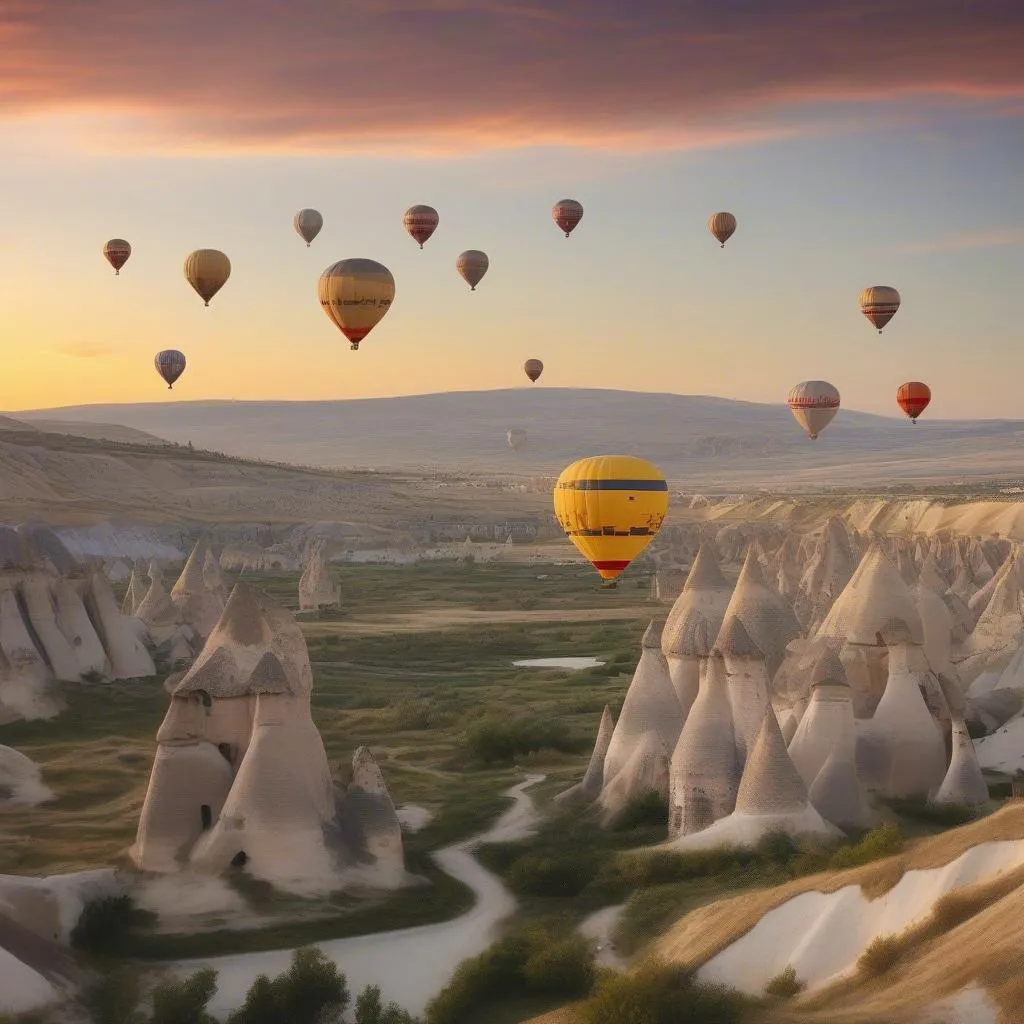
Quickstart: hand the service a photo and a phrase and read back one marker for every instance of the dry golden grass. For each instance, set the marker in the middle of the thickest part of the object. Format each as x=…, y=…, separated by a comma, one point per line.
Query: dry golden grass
x=706, y=931
x=975, y=936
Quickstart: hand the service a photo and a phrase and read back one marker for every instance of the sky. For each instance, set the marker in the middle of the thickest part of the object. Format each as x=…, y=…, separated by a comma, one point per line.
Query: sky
x=857, y=143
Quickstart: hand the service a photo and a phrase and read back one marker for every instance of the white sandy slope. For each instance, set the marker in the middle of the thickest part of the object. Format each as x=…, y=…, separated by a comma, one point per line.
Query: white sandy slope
x=1003, y=751
x=21, y=988
x=822, y=935
x=414, y=964
x=21, y=779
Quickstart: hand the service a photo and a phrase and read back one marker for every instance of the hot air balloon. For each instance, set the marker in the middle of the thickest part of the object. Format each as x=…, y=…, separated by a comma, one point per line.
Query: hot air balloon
x=814, y=404
x=117, y=251
x=534, y=368
x=472, y=265
x=170, y=364
x=421, y=222
x=207, y=270
x=308, y=224
x=879, y=304
x=610, y=507
x=356, y=294
x=567, y=213
x=516, y=438
x=913, y=398
x=722, y=226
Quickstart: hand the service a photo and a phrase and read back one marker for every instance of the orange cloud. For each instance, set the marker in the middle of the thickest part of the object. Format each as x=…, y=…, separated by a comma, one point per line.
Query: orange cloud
x=442, y=76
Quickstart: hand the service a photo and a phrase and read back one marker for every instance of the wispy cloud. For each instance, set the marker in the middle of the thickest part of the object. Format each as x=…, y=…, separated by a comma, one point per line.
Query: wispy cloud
x=968, y=240
x=444, y=76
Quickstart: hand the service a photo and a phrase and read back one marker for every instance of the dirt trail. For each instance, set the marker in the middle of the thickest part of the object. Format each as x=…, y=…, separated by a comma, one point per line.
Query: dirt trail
x=430, y=619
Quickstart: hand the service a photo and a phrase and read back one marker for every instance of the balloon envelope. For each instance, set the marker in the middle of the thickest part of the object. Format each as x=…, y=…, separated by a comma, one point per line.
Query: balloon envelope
x=913, y=398
x=814, y=404
x=879, y=304
x=170, y=364
x=421, y=222
x=610, y=507
x=567, y=213
x=207, y=270
x=355, y=294
x=308, y=224
x=534, y=368
x=516, y=438
x=722, y=226
x=472, y=265
x=117, y=251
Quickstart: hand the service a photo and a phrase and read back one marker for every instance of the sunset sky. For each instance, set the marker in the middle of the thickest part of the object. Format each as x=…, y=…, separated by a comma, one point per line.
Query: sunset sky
x=857, y=143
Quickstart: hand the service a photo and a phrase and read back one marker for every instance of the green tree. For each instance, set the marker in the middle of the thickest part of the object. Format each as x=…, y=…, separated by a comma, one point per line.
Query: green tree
x=183, y=1000
x=311, y=991
x=371, y=1010
x=114, y=999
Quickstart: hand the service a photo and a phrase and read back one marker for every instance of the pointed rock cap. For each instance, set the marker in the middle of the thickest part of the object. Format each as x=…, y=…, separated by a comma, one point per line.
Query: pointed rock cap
x=652, y=635
x=734, y=641
x=191, y=579
x=366, y=773
x=705, y=573
x=770, y=784
x=242, y=620
x=828, y=670
x=751, y=573
x=930, y=577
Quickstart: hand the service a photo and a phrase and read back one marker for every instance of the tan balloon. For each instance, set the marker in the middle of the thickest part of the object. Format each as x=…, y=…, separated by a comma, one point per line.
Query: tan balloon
x=355, y=294
x=814, y=404
x=472, y=265
x=879, y=304
x=308, y=224
x=722, y=226
x=421, y=222
x=516, y=438
x=207, y=270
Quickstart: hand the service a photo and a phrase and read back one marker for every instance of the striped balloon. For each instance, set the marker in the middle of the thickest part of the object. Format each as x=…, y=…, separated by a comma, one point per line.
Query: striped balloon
x=722, y=226
x=610, y=507
x=170, y=364
x=567, y=213
x=814, y=404
x=879, y=304
x=116, y=253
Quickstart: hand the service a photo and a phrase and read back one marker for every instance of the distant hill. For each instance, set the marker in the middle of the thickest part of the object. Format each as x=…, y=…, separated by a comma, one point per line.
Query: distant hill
x=698, y=441
x=86, y=428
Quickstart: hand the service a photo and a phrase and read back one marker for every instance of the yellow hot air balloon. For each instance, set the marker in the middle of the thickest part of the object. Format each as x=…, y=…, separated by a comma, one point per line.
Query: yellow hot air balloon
x=355, y=294
x=610, y=507
x=207, y=270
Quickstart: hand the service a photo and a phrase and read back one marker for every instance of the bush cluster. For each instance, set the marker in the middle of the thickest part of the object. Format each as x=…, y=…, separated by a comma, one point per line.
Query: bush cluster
x=497, y=739
x=533, y=962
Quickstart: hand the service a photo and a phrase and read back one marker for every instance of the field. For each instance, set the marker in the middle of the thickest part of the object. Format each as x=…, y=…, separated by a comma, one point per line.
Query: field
x=412, y=696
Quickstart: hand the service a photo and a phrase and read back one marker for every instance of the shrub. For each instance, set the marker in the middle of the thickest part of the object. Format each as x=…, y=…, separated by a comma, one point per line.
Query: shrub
x=882, y=955
x=114, y=998
x=535, y=962
x=649, y=808
x=184, y=1000
x=660, y=994
x=883, y=841
x=105, y=924
x=311, y=991
x=494, y=738
x=535, y=875
x=371, y=1010
x=784, y=985
x=949, y=815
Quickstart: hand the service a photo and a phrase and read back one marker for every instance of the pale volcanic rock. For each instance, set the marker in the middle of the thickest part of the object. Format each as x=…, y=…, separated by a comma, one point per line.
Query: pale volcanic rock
x=646, y=770
x=964, y=784
x=197, y=604
x=747, y=684
x=317, y=588
x=694, y=619
x=766, y=616
x=771, y=798
x=828, y=722
x=128, y=656
x=135, y=593
x=650, y=705
x=900, y=751
x=704, y=774
x=593, y=778
x=241, y=775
